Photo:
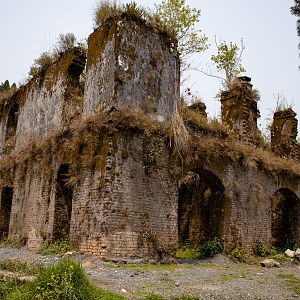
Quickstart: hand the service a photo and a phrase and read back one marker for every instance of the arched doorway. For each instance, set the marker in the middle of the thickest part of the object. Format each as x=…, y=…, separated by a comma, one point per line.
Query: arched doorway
x=285, y=218
x=5, y=210
x=200, y=204
x=63, y=205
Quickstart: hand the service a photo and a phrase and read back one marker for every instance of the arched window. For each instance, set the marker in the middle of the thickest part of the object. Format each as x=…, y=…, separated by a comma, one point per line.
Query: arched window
x=200, y=207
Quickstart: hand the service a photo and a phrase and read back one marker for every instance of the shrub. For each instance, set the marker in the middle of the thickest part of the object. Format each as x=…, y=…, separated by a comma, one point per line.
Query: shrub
x=64, y=43
x=260, y=249
x=237, y=254
x=211, y=247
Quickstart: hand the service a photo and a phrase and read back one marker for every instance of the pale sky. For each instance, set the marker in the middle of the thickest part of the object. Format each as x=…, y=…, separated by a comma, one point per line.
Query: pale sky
x=266, y=26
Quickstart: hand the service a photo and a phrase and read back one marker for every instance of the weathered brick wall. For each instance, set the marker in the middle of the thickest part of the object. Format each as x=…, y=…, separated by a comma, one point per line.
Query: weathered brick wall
x=130, y=65
x=239, y=109
x=47, y=103
x=127, y=206
x=284, y=134
x=32, y=206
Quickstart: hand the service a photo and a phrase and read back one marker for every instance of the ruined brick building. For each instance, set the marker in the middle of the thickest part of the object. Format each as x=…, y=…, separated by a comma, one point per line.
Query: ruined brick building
x=87, y=154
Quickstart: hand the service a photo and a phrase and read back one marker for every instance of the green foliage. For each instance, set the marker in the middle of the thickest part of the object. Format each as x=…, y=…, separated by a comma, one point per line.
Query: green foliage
x=228, y=61
x=211, y=247
x=7, y=286
x=181, y=20
x=236, y=254
x=185, y=252
x=4, y=86
x=58, y=247
x=260, y=249
x=63, y=281
x=19, y=266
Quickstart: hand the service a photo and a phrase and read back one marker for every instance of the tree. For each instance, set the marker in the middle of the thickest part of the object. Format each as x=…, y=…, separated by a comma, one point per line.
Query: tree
x=228, y=61
x=181, y=19
x=4, y=86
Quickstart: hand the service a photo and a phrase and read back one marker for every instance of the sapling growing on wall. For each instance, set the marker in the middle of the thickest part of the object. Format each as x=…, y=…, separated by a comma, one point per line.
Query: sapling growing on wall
x=182, y=19
x=228, y=61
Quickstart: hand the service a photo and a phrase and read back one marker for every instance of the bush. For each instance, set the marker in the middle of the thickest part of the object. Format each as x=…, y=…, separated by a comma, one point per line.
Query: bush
x=260, y=249
x=186, y=252
x=211, y=248
x=237, y=254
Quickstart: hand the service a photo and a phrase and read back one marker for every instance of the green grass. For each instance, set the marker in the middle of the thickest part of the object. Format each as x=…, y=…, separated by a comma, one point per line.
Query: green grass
x=19, y=266
x=292, y=281
x=148, y=267
x=187, y=253
x=64, y=281
x=59, y=247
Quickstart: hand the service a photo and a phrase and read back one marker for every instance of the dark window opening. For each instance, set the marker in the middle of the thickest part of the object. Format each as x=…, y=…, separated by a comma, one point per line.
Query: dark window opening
x=5, y=210
x=285, y=218
x=63, y=205
x=200, y=207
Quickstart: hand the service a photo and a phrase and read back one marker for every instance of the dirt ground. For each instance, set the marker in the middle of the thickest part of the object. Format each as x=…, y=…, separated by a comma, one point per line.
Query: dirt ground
x=215, y=278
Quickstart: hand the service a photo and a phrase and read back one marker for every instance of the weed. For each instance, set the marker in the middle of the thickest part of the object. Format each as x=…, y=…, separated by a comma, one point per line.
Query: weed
x=19, y=266
x=260, y=249
x=292, y=281
x=7, y=286
x=58, y=247
x=237, y=254
x=152, y=297
x=211, y=248
x=185, y=252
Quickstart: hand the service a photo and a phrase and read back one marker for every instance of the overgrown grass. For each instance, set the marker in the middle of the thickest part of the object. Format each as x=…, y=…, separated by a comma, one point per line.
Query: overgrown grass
x=19, y=266
x=8, y=286
x=10, y=244
x=63, y=281
x=58, y=247
x=292, y=281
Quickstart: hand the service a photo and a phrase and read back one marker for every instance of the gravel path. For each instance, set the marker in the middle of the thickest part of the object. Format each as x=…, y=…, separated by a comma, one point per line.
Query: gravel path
x=216, y=278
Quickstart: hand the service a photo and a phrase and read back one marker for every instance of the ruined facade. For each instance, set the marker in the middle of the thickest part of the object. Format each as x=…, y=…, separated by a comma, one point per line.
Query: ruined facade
x=87, y=156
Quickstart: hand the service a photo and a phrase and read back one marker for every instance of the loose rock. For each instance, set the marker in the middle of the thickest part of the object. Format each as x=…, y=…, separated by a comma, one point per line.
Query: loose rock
x=269, y=263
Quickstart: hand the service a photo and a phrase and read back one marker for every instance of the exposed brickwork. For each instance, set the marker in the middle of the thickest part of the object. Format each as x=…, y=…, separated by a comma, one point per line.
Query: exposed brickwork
x=239, y=110
x=284, y=134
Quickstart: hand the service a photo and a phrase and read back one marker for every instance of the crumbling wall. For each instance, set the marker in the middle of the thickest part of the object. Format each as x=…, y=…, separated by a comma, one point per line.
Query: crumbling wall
x=52, y=100
x=130, y=65
x=239, y=109
x=284, y=134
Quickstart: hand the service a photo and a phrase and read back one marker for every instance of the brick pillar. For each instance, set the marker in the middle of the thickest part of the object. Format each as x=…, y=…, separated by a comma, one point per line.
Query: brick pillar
x=284, y=133
x=131, y=65
x=239, y=109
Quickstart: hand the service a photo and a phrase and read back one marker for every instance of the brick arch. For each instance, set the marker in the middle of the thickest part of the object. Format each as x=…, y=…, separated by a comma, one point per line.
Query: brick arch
x=285, y=216
x=200, y=206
